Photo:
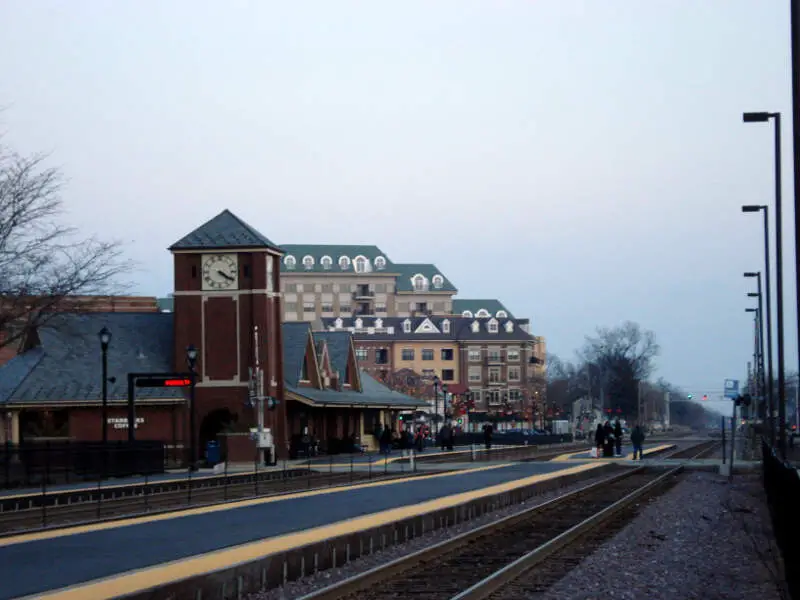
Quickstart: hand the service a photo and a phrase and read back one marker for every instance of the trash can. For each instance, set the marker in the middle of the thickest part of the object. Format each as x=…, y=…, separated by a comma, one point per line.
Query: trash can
x=212, y=453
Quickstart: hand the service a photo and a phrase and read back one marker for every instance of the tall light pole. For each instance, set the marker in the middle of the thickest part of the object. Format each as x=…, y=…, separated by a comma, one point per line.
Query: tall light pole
x=105, y=340
x=760, y=339
x=755, y=376
x=761, y=117
x=191, y=362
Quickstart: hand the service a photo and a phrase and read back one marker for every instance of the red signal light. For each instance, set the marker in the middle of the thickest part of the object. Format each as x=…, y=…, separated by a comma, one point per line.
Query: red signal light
x=705, y=396
x=177, y=382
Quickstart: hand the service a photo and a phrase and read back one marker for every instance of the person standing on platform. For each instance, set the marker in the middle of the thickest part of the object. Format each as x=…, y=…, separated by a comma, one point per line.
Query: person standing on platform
x=637, y=439
x=487, y=435
x=608, y=435
x=600, y=439
x=618, y=438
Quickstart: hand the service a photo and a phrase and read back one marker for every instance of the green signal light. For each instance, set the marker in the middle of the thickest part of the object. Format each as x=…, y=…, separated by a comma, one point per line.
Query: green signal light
x=689, y=396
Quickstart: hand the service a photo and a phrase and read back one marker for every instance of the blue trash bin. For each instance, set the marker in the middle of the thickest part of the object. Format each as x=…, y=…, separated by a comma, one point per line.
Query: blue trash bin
x=212, y=453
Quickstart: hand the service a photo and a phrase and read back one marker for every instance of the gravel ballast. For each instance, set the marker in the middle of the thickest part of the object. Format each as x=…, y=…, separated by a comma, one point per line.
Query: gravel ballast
x=704, y=538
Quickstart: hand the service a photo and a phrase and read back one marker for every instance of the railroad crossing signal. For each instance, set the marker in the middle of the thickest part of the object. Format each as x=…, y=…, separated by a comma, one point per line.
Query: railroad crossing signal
x=689, y=396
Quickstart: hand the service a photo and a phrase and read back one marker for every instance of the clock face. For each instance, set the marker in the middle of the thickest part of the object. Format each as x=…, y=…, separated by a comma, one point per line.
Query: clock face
x=220, y=271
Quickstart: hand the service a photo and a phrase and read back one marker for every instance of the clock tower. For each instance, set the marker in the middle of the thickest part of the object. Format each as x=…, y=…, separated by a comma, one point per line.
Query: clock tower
x=227, y=303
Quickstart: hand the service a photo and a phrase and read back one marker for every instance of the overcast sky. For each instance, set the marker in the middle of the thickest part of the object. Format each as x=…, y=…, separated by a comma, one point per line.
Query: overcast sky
x=584, y=162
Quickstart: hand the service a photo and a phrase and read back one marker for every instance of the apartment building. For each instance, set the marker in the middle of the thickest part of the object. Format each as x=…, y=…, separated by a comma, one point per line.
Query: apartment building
x=495, y=361
x=324, y=281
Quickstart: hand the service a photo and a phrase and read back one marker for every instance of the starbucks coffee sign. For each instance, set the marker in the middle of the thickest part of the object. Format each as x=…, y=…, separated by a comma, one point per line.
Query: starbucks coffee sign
x=122, y=422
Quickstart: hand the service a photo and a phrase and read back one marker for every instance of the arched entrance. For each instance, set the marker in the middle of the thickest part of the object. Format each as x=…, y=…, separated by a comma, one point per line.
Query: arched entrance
x=212, y=425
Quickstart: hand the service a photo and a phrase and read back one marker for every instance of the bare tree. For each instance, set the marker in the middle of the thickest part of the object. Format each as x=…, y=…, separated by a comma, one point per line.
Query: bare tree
x=42, y=262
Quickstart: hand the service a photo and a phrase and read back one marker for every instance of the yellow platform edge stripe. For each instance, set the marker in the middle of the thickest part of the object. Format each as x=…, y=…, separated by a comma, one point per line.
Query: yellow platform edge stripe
x=61, y=532
x=167, y=573
x=571, y=455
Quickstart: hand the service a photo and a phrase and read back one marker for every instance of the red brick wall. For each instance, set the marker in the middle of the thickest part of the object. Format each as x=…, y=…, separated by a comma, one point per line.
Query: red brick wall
x=85, y=424
x=221, y=352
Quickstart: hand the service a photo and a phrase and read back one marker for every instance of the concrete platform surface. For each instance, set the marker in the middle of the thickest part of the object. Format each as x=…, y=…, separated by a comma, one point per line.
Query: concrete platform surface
x=97, y=551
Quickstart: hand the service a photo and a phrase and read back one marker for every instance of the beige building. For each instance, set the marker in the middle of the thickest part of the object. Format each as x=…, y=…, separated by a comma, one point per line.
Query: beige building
x=321, y=281
x=432, y=357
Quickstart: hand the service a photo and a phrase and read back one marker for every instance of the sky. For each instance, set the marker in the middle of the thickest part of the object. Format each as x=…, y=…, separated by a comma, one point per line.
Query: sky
x=582, y=161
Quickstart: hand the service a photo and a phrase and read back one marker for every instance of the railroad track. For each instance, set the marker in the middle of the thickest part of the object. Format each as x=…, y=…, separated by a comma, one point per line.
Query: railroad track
x=479, y=563
x=27, y=519
x=701, y=450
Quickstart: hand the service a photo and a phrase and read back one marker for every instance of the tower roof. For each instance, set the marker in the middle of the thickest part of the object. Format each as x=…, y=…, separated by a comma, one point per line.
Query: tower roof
x=226, y=230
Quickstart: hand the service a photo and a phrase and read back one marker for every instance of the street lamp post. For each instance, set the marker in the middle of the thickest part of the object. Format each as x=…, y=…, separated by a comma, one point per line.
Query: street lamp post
x=436, y=383
x=760, y=338
x=754, y=375
x=761, y=117
x=191, y=362
x=105, y=340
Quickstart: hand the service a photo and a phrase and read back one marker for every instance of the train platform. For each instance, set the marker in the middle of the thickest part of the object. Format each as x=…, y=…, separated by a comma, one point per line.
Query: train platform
x=627, y=453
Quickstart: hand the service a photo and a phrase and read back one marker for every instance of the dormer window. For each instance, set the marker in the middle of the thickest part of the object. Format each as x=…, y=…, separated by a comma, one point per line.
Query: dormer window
x=308, y=262
x=326, y=262
x=290, y=262
x=359, y=323
x=492, y=326
x=344, y=263
x=466, y=313
x=501, y=314
x=420, y=283
x=476, y=327
x=380, y=263
x=407, y=326
x=361, y=264
x=378, y=323
x=438, y=281
x=338, y=323
x=482, y=313
x=509, y=327
x=445, y=326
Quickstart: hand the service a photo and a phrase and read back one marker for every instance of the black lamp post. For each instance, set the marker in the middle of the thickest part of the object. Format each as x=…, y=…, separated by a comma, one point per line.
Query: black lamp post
x=756, y=369
x=445, y=412
x=105, y=340
x=191, y=362
x=762, y=387
x=436, y=383
x=762, y=117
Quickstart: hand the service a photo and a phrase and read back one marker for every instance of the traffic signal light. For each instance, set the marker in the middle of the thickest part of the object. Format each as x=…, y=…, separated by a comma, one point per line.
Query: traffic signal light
x=460, y=421
x=689, y=396
x=272, y=403
x=705, y=396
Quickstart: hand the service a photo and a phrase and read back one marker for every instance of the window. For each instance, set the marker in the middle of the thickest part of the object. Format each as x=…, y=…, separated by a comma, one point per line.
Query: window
x=380, y=263
x=407, y=326
x=509, y=327
x=494, y=355
x=474, y=355
x=344, y=263
x=447, y=354
x=482, y=313
x=512, y=355
x=362, y=354
x=344, y=308
x=326, y=262
x=493, y=397
x=380, y=308
x=420, y=283
x=378, y=323
x=308, y=262
x=476, y=327
x=270, y=276
x=381, y=356
x=338, y=323
x=494, y=374
x=513, y=373
x=290, y=306
x=290, y=262
x=492, y=326
x=448, y=375
x=309, y=307
x=327, y=307
x=445, y=326
x=326, y=288
x=501, y=314
x=466, y=313
x=359, y=323
x=475, y=374
x=407, y=354
x=380, y=288
x=361, y=264
x=438, y=281
x=514, y=395
x=427, y=354
x=291, y=288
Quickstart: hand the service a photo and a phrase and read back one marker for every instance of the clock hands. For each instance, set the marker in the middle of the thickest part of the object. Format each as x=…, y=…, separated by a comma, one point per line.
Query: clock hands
x=225, y=275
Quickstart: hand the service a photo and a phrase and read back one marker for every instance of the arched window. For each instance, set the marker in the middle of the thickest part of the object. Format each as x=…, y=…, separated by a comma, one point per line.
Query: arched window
x=445, y=326
x=482, y=313
x=420, y=283
x=501, y=314
x=326, y=262
x=361, y=264
x=492, y=326
x=476, y=327
x=344, y=263
x=380, y=263
x=290, y=262
x=509, y=327
x=438, y=281
x=308, y=262
x=466, y=313
x=359, y=323
x=378, y=323
x=338, y=323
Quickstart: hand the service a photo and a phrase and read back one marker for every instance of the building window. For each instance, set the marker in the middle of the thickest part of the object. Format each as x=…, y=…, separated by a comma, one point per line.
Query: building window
x=493, y=397
x=466, y=314
x=361, y=264
x=427, y=354
x=326, y=288
x=291, y=288
x=308, y=262
x=420, y=283
x=344, y=308
x=326, y=262
x=494, y=374
x=512, y=355
x=447, y=354
x=494, y=355
x=290, y=306
x=448, y=375
x=378, y=323
x=327, y=307
x=509, y=327
x=362, y=354
x=380, y=308
x=407, y=354
x=501, y=314
x=492, y=326
x=359, y=323
x=290, y=262
x=344, y=263
x=482, y=313
x=445, y=326
x=438, y=281
x=514, y=395
x=338, y=323
x=309, y=307
x=475, y=374
x=381, y=356
x=407, y=326
x=476, y=327
x=513, y=373
x=474, y=355
x=380, y=263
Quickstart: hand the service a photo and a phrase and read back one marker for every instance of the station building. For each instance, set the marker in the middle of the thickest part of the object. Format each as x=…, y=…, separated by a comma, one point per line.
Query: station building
x=227, y=304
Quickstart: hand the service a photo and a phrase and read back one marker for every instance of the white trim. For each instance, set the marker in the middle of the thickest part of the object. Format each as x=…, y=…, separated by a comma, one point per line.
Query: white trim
x=427, y=326
x=225, y=293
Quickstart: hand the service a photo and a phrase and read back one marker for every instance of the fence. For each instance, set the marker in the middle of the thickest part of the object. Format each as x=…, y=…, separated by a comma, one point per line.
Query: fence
x=50, y=463
x=782, y=486
x=514, y=439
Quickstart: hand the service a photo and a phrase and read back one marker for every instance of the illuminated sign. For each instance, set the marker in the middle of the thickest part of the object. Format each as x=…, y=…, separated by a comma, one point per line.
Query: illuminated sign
x=122, y=422
x=166, y=381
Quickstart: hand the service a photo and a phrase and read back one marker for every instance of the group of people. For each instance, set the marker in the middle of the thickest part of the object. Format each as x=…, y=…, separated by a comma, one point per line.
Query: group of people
x=608, y=440
x=405, y=439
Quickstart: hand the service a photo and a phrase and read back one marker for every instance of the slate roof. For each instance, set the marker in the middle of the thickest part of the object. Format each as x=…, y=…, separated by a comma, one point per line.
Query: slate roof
x=473, y=306
x=334, y=251
x=339, y=343
x=460, y=329
x=224, y=231
x=406, y=272
x=295, y=343
x=66, y=365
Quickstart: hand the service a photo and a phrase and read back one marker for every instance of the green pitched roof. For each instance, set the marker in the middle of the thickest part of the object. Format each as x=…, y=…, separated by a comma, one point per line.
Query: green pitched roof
x=226, y=230
x=317, y=251
x=406, y=272
x=473, y=306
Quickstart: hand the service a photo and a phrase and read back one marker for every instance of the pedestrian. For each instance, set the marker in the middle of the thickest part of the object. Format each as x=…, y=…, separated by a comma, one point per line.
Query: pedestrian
x=637, y=439
x=487, y=435
x=608, y=433
x=618, y=438
x=386, y=440
x=599, y=439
